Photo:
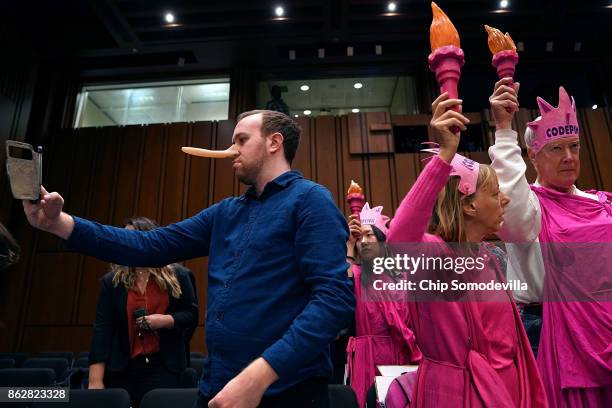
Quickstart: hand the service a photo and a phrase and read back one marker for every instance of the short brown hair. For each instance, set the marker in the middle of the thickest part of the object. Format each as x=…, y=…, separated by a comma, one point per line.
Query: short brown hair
x=273, y=122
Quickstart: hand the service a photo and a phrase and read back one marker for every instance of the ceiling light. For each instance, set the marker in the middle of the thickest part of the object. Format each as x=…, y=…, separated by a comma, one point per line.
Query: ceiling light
x=391, y=6
x=357, y=85
x=307, y=112
x=594, y=106
x=296, y=115
x=169, y=18
x=279, y=11
x=503, y=3
x=355, y=110
x=304, y=87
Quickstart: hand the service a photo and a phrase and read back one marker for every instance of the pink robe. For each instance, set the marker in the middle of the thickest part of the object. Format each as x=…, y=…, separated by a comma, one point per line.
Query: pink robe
x=382, y=338
x=475, y=354
x=575, y=354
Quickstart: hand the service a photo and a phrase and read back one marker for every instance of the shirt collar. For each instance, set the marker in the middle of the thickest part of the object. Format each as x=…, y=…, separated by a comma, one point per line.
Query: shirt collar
x=277, y=184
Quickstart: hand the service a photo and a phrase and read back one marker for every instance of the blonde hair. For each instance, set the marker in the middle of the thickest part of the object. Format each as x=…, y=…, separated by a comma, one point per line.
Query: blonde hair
x=448, y=219
x=165, y=277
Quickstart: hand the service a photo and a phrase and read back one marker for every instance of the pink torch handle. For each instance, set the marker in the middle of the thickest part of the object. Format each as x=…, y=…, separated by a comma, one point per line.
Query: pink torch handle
x=356, y=202
x=446, y=63
x=505, y=64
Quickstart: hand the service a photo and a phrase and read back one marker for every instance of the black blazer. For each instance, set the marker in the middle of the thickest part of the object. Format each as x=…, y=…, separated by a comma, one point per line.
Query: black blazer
x=110, y=342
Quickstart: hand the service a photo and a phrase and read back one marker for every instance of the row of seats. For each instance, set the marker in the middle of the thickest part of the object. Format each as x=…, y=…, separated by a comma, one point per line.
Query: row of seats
x=340, y=396
x=80, y=361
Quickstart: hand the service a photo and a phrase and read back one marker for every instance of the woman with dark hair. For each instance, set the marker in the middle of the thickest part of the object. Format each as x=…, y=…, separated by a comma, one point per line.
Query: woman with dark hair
x=475, y=350
x=9, y=249
x=382, y=332
x=143, y=317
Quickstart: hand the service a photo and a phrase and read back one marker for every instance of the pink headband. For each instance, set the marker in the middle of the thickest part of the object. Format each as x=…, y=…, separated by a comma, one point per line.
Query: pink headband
x=555, y=123
x=465, y=168
x=374, y=216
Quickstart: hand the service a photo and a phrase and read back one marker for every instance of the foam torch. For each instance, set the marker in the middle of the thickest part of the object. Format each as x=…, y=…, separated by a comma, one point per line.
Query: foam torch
x=355, y=199
x=446, y=58
x=504, y=52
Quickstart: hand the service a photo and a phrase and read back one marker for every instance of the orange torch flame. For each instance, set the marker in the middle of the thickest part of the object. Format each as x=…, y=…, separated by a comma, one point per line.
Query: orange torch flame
x=442, y=31
x=498, y=41
x=354, y=188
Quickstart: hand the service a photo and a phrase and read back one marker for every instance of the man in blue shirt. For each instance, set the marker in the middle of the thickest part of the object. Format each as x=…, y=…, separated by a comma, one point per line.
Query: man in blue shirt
x=278, y=291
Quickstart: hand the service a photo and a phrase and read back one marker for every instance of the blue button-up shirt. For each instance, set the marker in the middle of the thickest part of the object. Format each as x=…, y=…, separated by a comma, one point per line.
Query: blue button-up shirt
x=277, y=281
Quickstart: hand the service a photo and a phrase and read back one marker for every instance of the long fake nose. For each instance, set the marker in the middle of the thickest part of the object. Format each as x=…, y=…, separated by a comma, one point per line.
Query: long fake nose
x=213, y=154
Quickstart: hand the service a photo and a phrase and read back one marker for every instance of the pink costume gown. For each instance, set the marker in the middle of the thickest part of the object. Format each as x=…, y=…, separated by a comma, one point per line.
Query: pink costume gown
x=382, y=338
x=575, y=356
x=475, y=354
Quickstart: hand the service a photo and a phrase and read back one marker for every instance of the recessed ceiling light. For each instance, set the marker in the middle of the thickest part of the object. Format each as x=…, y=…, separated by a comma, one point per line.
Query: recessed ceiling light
x=169, y=18
x=594, y=106
x=355, y=110
x=296, y=115
x=357, y=85
x=304, y=87
x=307, y=112
x=503, y=3
x=391, y=6
x=279, y=11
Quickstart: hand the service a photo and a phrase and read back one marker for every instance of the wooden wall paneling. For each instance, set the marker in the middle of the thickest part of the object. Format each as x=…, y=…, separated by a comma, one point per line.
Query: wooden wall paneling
x=80, y=199
x=378, y=132
x=57, y=171
x=303, y=157
x=197, y=194
x=131, y=142
x=382, y=190
x=56, y=338
x=600, y=135
x=353, y=165
x=407, y=169
x=326, y=155
x=91, y=270
x=224, y=182
x=150, y=172
x=174, y=180
x=52, y=289
x=356, y=134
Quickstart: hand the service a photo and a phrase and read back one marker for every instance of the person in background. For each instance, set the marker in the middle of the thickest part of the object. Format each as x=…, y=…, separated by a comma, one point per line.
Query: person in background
x=276, y=103
x=144, y=317
x=475, y=350
x=548, y=221
x=382, y=329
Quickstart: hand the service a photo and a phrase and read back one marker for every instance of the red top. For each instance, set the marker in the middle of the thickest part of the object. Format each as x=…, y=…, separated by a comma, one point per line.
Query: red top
x=154, y=301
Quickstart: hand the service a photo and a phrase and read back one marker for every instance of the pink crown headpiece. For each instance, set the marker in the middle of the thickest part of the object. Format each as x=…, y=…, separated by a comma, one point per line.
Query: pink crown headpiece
x=466, y=169
x=555, y=123
x=374, y=216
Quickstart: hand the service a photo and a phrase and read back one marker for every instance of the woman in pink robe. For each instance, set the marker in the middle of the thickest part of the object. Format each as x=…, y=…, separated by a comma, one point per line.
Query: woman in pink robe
x=475, y=353
x=382, y=333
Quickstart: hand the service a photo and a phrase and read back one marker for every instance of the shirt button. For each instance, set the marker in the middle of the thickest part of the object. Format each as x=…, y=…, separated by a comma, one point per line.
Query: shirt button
x=220, y=316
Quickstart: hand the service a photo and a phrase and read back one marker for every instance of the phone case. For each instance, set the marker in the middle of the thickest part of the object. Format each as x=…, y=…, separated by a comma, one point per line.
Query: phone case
x=25, y=175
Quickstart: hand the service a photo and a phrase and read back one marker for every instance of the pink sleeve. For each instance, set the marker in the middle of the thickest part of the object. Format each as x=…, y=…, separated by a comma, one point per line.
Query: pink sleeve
x=397, y=317
x=412, y=216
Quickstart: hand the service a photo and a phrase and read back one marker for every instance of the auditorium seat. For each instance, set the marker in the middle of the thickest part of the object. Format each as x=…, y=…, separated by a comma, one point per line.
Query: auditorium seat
x=7, y=363
x=18, y=357
x=169, y=397
x=189, y=378
x=81, y=362
x=68, y=355
x=198, y=365
x=83, y=354
x=197, y=354
x=110, y=397
x=342, y=396
x=26, y=377
x=60, y=365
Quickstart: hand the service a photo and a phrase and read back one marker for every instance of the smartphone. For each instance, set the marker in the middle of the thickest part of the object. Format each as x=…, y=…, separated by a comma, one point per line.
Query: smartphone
x=140, y=313
x=24, y=169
